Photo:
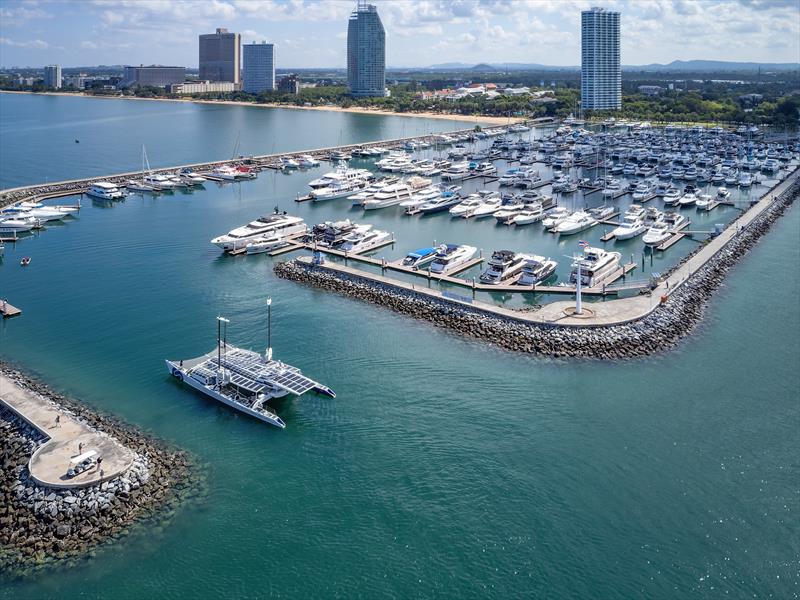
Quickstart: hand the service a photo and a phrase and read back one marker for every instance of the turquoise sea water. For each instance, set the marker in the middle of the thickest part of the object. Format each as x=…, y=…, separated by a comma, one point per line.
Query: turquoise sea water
x=445, y=467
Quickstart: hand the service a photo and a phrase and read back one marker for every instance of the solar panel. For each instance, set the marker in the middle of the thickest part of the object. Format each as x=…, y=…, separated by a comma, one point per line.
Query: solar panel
x=247, y=384
x=294, y=383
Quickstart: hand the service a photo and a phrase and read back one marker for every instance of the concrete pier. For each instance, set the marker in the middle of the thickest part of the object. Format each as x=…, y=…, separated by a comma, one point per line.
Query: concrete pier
x=49, y=463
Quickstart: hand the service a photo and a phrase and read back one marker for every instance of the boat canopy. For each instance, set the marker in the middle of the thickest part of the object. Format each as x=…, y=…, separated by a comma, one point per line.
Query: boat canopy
x=422, y=252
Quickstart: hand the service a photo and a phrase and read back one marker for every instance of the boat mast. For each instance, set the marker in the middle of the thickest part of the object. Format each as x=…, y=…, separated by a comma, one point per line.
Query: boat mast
x=220, y=321
x=269, y=330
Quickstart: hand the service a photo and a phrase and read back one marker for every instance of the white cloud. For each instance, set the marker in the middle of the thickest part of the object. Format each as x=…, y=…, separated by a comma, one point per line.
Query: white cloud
x=36, y=44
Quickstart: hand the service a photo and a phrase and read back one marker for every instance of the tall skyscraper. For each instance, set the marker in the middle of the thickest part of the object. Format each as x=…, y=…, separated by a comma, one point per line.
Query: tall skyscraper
x=259, y=67
x=52, y=76
x=366, y=52
x=601, y=75
x=220, y=56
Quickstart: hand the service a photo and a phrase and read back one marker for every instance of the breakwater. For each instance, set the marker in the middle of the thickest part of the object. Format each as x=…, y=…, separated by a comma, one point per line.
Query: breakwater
x=260, y=162
x=40, y=526
x=659, y=330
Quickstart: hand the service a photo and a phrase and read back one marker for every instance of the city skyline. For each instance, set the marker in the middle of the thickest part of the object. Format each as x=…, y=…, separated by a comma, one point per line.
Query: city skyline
x=313, y=34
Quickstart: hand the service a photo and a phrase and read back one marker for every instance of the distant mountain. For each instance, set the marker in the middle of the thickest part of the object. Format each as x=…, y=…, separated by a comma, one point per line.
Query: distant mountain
x=713, y=65
x=674, y=66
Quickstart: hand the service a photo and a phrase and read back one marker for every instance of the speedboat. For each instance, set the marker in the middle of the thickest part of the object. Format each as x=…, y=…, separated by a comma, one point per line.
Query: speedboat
x=450, y=256
x=536, y=269
x=555, y=217
x=274, y=224
x=687, y=199
x=595, y=266
x=503, y=265
x=575, y=223
x=39, y=214
x=420, y=258
x=629, y=228
x=723, y=194
x=105, y=191
x=362, y=241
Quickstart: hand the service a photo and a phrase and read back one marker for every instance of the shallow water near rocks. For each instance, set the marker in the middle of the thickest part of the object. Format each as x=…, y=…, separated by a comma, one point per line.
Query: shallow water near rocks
x=444, y=466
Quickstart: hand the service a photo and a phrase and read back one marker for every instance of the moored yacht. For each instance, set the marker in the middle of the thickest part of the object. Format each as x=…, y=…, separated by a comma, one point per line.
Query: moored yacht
x=596, y=265
x=450, y=256
x=421, y=257
x=361, y=241
x=555, y=217
x=537, y=269
x=503, y=265
x=338, y=189
x=105, y=191
x=630, y=227
x=274, y=224
x=575, y=223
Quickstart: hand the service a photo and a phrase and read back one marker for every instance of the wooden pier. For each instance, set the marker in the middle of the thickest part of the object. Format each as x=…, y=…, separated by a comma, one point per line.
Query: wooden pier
x=8, y=311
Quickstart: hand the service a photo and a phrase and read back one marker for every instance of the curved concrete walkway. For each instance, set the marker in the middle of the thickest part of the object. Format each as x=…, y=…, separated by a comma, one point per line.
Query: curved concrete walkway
x=49, y=463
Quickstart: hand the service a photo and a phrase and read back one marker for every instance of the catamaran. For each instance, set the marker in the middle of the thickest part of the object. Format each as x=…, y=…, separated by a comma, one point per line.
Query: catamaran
x=243, y=379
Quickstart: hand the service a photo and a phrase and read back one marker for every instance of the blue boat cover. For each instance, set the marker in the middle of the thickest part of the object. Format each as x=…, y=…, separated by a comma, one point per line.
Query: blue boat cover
x=422, y=252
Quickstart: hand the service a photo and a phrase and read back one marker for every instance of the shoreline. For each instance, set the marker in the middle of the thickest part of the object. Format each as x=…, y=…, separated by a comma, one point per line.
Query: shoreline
x=476, y=119
x=51, y=527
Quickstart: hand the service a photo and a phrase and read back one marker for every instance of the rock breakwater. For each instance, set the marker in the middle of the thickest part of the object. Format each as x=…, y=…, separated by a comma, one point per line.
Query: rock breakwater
x=41, y=526
x=658, y=331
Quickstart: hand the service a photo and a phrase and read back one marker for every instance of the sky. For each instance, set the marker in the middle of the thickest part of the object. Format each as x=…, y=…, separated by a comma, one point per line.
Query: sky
x=312, y=33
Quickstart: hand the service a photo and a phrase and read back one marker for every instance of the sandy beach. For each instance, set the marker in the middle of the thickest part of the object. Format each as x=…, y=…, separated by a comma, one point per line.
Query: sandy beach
x=477, y=119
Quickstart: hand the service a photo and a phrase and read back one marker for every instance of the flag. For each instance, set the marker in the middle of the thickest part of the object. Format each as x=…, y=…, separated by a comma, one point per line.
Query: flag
x=583, y=243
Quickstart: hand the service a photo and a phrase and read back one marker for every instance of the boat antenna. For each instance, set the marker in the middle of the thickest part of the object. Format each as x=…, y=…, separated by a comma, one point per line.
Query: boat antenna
x=269, y=330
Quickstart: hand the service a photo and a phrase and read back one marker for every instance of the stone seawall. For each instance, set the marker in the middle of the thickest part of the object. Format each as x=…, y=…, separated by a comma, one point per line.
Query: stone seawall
x=41, y=526
x=658, y=331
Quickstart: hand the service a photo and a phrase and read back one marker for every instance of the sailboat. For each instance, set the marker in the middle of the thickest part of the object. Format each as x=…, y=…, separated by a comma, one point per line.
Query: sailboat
x=144, y=184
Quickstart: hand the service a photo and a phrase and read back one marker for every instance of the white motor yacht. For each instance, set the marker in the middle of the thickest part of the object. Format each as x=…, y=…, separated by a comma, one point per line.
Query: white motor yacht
x=723, y=194
x=287, y=162
x=629, y=228
x=643, y=191
x=687, y=199
x=507, y=212
x=105, y=191
x=555, y=217
x=266, y=244
x=596, y=265
x=361, y=241
x=537, y=269
x=703, y=202
x=139, y=185
x=421, y=197
x=341, y=174
x=532, y=213
x=307, y=161
x=672, y=196
x=456, y=172
x=658, y=233
x=338, y=189
x=450, y=256
x=420, y=258
x=275, y=224
x=160, y=182
x=17, y=224
x=503, y=265
x=391, y=195
x=575, y=223
x=491, y=204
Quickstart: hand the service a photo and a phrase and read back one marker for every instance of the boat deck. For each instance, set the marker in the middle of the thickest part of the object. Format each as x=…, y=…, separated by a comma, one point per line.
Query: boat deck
x=7, y=310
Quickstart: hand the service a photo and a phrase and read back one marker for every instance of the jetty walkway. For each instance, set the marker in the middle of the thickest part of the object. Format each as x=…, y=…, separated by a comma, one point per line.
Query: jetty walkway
x=596, y=314
x=57, y=189
x=49, y=463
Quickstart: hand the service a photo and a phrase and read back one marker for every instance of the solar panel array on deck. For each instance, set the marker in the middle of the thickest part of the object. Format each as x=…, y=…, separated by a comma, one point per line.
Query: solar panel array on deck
x=248, y=369
x=294, y=382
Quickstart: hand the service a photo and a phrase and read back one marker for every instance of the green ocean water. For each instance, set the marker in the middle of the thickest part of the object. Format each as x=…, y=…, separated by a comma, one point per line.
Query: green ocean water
x=444, y=467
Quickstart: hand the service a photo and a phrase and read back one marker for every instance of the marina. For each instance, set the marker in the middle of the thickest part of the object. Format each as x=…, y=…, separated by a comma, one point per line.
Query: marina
x=391, y=458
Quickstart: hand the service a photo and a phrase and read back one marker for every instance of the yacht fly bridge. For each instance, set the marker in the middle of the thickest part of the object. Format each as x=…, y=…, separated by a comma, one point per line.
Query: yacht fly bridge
x=243, y=379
